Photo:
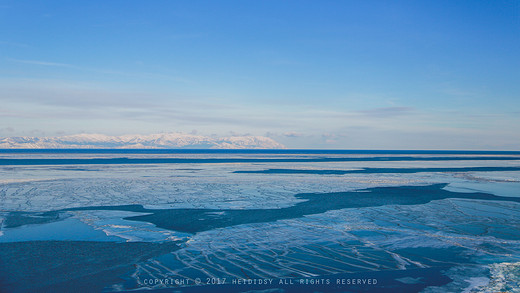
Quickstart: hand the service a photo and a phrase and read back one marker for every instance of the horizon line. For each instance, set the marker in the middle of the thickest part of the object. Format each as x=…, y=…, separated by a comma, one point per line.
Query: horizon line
x=264, y=150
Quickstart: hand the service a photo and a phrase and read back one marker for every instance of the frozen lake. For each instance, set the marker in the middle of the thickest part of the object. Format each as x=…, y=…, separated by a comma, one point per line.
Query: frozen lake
x=283, y=221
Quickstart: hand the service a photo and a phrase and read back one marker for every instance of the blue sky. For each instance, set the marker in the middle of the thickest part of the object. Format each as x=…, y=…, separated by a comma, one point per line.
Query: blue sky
x=309, y=74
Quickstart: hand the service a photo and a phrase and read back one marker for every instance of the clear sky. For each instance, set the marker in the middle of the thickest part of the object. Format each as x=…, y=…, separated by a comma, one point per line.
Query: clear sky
x=310, y=74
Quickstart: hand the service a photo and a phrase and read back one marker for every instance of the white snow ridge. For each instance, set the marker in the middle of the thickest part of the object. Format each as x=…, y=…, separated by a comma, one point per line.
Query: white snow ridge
x=153, y=141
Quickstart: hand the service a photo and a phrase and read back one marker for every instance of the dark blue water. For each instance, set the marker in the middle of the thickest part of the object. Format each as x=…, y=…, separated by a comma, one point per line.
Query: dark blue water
x=209, y=156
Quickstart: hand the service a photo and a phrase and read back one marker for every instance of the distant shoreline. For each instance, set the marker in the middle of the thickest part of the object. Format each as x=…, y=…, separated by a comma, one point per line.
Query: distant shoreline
x=255, y=151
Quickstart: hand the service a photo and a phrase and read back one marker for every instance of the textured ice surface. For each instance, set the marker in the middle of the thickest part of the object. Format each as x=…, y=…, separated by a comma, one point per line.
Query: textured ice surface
x=498, y=183
x=44, y=188
x=495, y=277
x=505, y=277
x=475, y=242
x=441, y=233
x=170, y=188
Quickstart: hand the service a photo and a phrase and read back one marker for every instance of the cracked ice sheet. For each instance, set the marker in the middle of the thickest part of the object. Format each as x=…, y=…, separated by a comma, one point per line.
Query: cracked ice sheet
x=235, y=191
x=447, y=233
x=495, y=277
x=45, y=188
x=213, y=189
x=497, y=183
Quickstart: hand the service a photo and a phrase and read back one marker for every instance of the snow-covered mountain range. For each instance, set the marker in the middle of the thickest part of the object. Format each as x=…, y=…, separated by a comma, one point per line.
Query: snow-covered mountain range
x=161, y=141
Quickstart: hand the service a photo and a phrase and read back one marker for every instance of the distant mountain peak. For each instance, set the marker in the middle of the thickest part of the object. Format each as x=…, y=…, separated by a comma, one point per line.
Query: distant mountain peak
x=158, y=141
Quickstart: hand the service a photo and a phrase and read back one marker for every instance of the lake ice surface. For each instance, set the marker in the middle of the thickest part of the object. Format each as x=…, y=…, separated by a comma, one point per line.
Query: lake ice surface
x=475, y=242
